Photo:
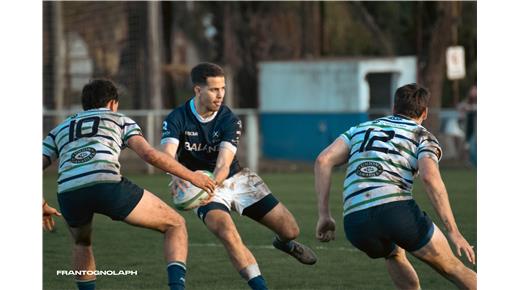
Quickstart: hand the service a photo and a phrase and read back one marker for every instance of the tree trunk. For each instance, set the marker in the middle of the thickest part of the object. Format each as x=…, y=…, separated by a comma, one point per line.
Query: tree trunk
x=434, y=72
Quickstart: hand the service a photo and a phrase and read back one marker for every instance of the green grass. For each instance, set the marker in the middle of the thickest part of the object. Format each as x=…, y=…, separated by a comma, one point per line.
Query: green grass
x=118, y=246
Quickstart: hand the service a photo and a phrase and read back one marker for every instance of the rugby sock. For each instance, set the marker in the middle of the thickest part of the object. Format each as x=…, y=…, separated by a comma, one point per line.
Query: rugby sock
x=286, y=246
x=176, y=275
x=86, y=285
x=253, y=277
x=257, y=283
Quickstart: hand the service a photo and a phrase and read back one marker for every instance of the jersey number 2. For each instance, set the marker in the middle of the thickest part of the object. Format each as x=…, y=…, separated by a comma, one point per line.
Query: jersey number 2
x=76, y=128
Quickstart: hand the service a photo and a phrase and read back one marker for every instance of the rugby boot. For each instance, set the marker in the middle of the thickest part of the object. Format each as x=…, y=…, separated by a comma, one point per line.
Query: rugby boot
x=299, y=251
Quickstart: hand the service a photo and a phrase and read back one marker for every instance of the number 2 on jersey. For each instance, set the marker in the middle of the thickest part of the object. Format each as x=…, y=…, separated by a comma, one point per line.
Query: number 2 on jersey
x=368, y=141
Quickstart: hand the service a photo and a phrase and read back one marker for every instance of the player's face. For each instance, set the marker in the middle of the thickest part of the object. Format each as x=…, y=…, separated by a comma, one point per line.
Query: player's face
x=212, y=95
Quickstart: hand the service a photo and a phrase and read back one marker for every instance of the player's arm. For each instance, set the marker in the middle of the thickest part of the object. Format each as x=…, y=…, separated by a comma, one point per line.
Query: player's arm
x=227, y=149
x=165, y=162
x=170, y=149
x=48, y=211
x=335, y=154
x=438, y=195
x=224, y=159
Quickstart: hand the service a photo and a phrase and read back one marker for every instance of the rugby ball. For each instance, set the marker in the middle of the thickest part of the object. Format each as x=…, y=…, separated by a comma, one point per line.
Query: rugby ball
x=191, y=196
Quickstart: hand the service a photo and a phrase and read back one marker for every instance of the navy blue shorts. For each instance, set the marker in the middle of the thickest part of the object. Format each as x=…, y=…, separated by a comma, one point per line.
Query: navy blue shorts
x=115, y=200
x=377, y=230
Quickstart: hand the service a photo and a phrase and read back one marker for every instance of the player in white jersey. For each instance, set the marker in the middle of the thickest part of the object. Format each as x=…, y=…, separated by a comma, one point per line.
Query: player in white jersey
x=380, y=215
x=88, y=145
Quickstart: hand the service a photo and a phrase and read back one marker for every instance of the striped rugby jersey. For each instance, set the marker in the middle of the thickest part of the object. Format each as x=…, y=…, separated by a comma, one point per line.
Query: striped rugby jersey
x=383, y=160
x=88, y=145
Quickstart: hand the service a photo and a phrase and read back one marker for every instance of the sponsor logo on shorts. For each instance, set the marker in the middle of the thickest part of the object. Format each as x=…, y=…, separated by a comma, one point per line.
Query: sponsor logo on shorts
x=83, y=155
x=369, y=169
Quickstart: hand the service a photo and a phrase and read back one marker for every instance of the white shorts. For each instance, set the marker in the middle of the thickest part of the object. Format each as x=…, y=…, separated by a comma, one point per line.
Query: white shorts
x=240, y=191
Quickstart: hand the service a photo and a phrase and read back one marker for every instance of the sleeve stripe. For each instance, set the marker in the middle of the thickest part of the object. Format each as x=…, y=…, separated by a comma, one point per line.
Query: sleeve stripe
x=132, y=132
x=229, y=146
x=170, y=141
x=48, y=158
x=344, y=138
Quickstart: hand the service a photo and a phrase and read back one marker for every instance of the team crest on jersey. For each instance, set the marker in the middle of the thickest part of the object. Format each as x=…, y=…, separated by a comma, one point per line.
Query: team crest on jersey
x=83, y=155
x=369, y=169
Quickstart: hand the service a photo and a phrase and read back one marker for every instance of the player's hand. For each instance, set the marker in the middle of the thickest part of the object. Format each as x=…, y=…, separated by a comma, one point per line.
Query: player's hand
x=461, y=245
x=48, y=222
x=201, y=180
x=325, y=229
x=177, y=184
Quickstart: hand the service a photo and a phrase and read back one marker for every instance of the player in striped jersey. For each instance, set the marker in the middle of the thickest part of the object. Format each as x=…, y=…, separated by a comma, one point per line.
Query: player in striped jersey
x=380, y=215
x=88, y=145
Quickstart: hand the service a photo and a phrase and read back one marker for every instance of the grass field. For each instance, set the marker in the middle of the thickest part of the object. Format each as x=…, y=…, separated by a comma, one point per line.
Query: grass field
x=118, y=246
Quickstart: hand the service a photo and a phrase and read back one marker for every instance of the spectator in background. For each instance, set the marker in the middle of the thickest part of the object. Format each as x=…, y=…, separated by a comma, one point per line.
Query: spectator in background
x=468, y=108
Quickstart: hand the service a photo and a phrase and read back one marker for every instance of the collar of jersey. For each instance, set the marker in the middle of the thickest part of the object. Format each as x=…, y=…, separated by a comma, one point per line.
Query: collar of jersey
x=405, y=118
x=98, y=109
x=198, y=116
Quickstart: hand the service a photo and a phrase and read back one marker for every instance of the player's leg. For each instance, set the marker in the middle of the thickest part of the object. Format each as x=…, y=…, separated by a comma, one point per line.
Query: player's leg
x=280, y=220
x=437, y=253
x=77, y=210
x=151, y=212
x=83, y=256
x=253, y=199
x=219, y=222
x=401, y=271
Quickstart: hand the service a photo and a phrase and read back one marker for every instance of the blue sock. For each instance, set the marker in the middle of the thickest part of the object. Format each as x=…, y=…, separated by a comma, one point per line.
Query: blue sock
x=176, y=275
x=257, y=283
x=86, y=285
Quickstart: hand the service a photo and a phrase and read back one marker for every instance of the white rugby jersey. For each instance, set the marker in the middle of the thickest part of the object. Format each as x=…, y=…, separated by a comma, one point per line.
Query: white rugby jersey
x=88, y=145
x=383, y=161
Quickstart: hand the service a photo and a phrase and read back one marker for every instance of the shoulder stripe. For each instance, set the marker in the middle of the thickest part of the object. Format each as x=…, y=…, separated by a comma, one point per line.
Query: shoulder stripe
x=109, y=129
x=402, y=148
x=406, y=138
x=110, y=120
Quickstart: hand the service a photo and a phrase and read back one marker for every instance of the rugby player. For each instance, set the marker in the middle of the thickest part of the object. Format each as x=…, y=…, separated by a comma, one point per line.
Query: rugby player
x=88, y=145
x=203, y=134
x=380, y=216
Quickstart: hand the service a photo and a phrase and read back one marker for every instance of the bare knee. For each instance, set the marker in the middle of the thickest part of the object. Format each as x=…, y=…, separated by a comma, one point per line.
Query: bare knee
x=290, y=232
x=173, y=222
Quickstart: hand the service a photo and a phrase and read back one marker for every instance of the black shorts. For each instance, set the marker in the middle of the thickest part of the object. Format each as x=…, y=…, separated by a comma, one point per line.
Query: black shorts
x=377, y=230
x=115, y=200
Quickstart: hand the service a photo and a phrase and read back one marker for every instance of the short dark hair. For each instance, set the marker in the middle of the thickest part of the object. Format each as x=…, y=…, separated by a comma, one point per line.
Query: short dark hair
x=411, y=100
x=97, y=93
x=201, y=72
